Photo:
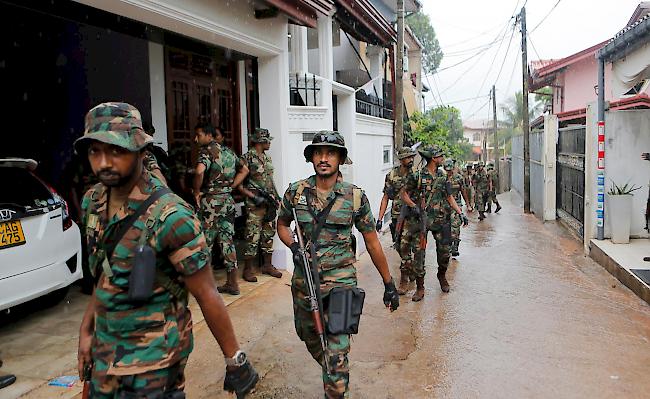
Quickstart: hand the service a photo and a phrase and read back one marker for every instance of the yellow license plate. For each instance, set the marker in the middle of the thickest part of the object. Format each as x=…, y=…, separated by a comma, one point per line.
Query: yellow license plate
x=11, y=234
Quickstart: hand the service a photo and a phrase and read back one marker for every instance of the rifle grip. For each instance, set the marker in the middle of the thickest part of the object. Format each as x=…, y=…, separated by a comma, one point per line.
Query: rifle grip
x=318, y=323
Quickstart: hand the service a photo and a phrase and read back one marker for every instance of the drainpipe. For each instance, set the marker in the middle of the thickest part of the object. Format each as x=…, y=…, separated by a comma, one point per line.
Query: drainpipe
x=600, y=172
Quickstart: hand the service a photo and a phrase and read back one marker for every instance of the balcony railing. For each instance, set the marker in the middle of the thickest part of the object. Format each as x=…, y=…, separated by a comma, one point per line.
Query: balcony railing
x=304, y=89
x=373, y=106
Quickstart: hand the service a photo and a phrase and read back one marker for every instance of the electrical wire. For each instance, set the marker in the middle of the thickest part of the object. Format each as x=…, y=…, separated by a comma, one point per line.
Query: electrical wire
x=478, y=110
x=546, y=16
x=533, y=46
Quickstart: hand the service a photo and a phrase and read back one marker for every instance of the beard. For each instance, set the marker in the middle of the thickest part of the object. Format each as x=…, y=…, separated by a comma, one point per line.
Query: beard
x=111, y=178
x=326, y=174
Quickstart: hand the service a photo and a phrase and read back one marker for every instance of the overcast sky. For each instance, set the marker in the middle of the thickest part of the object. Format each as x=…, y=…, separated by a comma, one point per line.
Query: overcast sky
x=464, y=27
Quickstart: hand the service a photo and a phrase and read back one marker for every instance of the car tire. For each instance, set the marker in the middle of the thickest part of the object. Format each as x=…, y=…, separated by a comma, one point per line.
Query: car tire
x=57, y=296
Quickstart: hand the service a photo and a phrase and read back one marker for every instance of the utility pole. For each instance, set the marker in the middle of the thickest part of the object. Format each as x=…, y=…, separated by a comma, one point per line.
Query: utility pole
x=496, y=141
x=399, y=74
x=526, y=127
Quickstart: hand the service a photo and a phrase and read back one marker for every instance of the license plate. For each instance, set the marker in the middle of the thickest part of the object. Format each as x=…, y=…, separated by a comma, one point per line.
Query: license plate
x=11, y=234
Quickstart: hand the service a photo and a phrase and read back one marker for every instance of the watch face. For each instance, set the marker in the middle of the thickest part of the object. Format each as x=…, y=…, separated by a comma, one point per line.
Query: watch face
x=240, y=358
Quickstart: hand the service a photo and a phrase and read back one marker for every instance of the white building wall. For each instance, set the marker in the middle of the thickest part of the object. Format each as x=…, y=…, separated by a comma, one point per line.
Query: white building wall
x=157, y=87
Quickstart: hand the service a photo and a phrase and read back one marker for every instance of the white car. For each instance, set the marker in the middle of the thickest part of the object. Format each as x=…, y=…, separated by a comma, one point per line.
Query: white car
x=40, y=245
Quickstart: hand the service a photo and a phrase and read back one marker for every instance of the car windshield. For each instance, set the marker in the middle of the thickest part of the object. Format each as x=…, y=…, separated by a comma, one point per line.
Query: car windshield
x=26, y=190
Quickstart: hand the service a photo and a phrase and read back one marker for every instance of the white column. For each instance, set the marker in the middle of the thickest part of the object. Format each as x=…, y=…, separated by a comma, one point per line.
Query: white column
x=550, y=166
x=591, y=190
x=273, y=73
x=299, y=56
x=376, y=56
x=243, y=105
x=325, y=51
x=157, y=87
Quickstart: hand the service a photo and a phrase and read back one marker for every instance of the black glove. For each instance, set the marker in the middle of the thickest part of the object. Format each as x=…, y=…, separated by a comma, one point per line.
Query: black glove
x=240, y=380
x=414, y=212
x=380, y=223
x=297, y=256
x=391, y=298
x=464, y=219
x=258, y=200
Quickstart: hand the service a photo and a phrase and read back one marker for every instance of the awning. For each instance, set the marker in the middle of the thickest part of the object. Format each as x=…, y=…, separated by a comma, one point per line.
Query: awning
x=361, y=20
x=303, y=12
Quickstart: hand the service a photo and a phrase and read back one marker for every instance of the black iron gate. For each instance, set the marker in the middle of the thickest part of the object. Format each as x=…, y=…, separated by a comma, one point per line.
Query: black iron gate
x=571, y=176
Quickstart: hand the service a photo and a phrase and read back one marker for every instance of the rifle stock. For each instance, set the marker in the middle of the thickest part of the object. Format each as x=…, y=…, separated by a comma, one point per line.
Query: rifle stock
x=423, y=226
x=315, y=302
x=403, y=213
x=87, y=375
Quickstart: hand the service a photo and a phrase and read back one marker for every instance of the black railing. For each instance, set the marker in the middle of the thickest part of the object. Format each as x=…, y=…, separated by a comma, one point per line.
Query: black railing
x=303, y=89
x=373, y=106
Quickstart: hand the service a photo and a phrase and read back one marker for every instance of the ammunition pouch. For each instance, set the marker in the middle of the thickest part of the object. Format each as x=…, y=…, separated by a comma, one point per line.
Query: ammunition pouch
x=345, y=308
x=143, y=274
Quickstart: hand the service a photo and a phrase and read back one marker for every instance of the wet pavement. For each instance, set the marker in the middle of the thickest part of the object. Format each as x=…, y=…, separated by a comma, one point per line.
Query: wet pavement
x=528, y=316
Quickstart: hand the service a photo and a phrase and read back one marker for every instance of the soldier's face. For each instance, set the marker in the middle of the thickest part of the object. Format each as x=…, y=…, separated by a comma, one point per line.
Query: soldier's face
x=114, y=166
x=266, y=146
x=219, y=137
x=202, y=138
x=407, y=162
x=326, y=160
x=439, y=160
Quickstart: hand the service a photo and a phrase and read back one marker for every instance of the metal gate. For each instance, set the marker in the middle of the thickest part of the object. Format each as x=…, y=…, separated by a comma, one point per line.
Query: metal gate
x=571, y=176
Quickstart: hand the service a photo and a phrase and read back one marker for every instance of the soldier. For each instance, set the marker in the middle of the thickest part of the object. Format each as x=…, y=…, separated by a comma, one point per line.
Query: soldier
x=335, y=207
x=217, y=172
x=481, y=185
x=6, y=380
x=458, y=189
x=492, y=194
x=153, y=156
x=429, y=195
x=262, y=201
x=146, y=252
x=395, y=180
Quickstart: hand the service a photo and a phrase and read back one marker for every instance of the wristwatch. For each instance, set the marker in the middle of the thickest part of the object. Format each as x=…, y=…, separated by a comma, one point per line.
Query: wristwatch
x=238, y=360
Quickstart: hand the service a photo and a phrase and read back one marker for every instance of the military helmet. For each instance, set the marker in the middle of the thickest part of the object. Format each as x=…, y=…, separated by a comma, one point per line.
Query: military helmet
x=449, y=164
x=480, y=164
x=490, y=165
x=327, y=138
x=405, y=152
x=114, y=123
x=261, y=135
x=431, y=151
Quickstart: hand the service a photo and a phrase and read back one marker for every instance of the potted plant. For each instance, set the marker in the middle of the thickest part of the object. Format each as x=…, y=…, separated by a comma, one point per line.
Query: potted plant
x=619, y=211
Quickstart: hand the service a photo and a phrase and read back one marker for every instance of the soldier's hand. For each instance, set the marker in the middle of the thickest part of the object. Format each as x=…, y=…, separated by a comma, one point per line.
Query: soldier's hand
x=258, y=200
x=415, y=212
x=470, y=209
x=645, y=156
x=464, y=219
x=240, y=380
x=391, y=298
x=83, y=353
x=297, y=256
x=380, y=223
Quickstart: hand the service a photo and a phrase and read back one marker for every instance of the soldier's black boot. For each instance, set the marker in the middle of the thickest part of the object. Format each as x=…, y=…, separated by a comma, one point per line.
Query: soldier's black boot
x=454, y=248
x=231, y=286
x=481, y=215
x=498, y=208
x=249, y=274
x=6, y=380
x=268, y=268
x=419, y=293
x=444, y=285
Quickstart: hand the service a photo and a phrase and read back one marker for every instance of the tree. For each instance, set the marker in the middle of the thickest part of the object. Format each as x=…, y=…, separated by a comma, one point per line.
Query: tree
x=421, y=26
x=441, y=126
x=513, y=114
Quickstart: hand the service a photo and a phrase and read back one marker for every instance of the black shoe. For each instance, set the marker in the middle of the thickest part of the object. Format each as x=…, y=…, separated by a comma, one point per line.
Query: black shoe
x=498, y=208
x=455, y=253
x=481, y=216
x=6, y=380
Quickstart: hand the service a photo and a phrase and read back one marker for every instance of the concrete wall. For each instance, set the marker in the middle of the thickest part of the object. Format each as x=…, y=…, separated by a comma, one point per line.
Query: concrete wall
x=626, y=136
x=517, y=175
x=578, y=83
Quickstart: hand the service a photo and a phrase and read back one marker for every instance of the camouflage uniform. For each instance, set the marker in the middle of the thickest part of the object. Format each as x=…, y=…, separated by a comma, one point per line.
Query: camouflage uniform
x=335, y=263
x=457, y=183
x=480, y=183
x=259, y=232
x=138, y=346
x=492, y=194
x=395, y=180
x=217, y=207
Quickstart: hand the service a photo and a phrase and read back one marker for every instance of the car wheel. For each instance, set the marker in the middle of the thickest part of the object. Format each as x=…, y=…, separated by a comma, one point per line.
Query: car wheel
x=57, y=296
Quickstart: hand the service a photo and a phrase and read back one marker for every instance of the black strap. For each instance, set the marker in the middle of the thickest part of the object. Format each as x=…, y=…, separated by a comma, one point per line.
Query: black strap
x=128, y=222
x=320, y=217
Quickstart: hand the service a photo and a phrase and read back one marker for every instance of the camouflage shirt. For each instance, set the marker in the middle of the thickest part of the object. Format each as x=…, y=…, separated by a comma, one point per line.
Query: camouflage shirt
x=480, y=181
x=394, y=182
x=260, y=172
x=492, y=177
x=220, y=168
x=457, y=185
x=133, y=337
x=433, y=190
x=334, y=244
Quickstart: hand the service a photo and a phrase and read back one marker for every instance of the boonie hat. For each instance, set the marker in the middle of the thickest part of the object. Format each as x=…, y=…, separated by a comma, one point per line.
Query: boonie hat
x=326, y=138
x=431, y=151
x=405, y=152
x=261, y=135
x=114, y=123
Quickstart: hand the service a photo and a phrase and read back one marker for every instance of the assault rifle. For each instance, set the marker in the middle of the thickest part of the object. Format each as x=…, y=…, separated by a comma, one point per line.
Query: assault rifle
x=272, y=203
x=647, y=211
x=314, y=297
x=403, y=214
x=423, y=225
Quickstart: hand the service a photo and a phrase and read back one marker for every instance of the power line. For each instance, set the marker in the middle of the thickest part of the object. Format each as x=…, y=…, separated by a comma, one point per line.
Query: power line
x=546, y=16
x=478, y=110
x=533, y=46
x=465, y=100
x=437, y=90
x=505, y=58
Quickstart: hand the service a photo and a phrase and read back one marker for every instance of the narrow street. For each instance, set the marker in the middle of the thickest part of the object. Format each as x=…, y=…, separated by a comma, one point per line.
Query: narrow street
x=528, y=316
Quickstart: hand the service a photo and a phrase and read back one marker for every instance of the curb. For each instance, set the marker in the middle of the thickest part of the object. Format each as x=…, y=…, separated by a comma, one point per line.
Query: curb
x=623, y=275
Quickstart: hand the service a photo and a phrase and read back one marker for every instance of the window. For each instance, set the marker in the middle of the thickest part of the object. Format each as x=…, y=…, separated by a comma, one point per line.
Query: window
x=387, y=151
x=477, y=137
x=637, y=88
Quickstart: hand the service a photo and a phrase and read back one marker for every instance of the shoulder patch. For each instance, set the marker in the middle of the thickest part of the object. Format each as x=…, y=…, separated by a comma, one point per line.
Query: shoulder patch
x=169, y=211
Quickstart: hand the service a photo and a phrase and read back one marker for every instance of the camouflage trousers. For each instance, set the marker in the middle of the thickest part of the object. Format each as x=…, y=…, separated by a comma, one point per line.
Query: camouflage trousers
x=480, y=196
x=147, y=385
x=259, y=234
x=217, y=215
x=492, y=197
x=443, y=251
x=456, y=223
x=336, y=382
x=408, y=241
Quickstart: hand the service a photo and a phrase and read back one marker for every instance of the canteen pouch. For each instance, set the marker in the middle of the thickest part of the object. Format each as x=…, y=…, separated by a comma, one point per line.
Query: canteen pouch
x=344, y=311
x=446, y=233
x=143, y=274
